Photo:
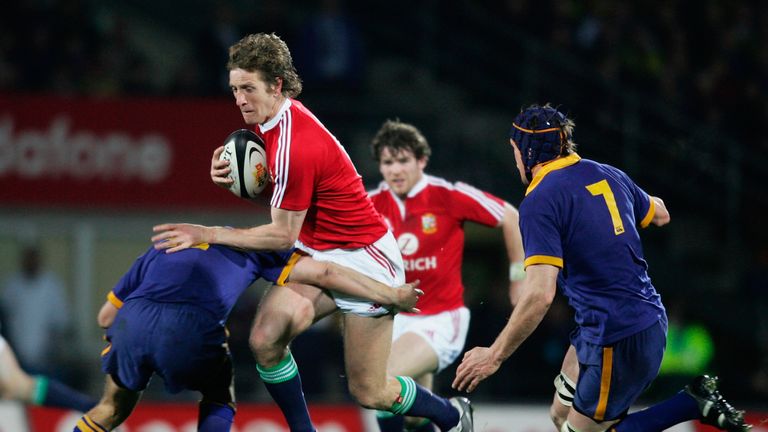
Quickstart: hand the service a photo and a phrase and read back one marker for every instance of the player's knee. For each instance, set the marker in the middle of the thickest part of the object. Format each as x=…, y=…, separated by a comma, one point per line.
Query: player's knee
x=557, y=416
x=368, y=396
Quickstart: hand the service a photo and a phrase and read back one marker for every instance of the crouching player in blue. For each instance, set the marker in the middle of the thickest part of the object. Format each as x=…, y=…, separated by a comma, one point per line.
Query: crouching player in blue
x=579, y=223
x=166, y=316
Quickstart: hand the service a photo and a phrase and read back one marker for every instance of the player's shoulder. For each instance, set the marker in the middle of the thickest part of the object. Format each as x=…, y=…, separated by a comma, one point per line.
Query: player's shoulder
x=379, y=190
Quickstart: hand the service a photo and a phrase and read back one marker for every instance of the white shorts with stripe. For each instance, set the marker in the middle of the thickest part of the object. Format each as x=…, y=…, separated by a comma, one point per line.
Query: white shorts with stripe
x=445, y=332
x=380, y=261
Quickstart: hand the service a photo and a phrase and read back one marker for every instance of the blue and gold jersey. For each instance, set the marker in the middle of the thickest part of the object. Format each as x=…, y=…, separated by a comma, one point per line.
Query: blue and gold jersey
x=210, y=276
x=582, y=216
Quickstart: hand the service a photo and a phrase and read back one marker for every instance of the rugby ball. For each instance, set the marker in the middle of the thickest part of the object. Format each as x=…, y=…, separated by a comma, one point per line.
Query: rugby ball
x=247, y=162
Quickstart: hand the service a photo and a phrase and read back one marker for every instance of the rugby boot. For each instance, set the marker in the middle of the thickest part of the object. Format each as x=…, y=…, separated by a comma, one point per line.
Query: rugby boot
x=465, y=415
x=714, y=409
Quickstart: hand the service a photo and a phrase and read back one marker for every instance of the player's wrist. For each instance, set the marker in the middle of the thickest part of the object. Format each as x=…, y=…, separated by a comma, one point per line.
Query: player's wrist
x=516, y=271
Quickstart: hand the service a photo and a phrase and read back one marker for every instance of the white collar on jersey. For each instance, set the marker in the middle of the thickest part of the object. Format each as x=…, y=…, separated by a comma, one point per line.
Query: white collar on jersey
x=273, y=121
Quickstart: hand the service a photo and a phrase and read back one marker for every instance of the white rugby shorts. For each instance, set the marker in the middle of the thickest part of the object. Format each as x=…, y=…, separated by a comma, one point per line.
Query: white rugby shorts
x=380, y=261
x=445, y=332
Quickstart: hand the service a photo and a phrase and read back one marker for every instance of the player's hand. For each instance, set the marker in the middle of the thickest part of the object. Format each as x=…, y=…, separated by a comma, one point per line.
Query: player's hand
x=220, y=170
x=176, y=237
x=478, y=364
x=407, y=296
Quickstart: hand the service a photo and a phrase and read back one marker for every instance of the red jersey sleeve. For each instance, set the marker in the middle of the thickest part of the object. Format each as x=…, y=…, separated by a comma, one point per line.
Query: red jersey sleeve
x=470, y=203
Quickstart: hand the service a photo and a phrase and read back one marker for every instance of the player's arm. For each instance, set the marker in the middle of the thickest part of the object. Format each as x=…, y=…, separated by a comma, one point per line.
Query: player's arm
x=107, y=314
x=513, y=242
x=350, y=282
x=537, y=295
x=661, y=214
x=280, y=234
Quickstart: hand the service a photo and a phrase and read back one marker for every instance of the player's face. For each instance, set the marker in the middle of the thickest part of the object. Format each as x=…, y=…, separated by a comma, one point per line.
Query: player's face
x=401, y=170
x=519, y=161
x=258, y=102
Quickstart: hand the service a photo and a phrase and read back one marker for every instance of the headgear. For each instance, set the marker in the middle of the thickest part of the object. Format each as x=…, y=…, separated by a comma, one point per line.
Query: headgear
x=539, y=134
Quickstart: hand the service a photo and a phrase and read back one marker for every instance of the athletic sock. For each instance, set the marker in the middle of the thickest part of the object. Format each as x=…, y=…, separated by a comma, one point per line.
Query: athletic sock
x=85, y=424
x=417, y=401
x=50, y=392
x=213, y=417
x=424, y=426
x=389, y=422
x=283, y=383
x=677, y=409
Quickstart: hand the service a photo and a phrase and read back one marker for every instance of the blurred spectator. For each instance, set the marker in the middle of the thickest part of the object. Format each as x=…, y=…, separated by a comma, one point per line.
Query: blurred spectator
x=36, y=313
x=211, y=50
x=329, y=54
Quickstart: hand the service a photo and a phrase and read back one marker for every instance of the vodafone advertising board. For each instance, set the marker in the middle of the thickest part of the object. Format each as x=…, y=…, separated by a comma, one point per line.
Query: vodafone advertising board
x=113, y=153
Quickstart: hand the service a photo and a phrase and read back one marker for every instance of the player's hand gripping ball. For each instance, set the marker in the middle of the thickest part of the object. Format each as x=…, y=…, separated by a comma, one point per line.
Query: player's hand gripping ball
x=247, y=162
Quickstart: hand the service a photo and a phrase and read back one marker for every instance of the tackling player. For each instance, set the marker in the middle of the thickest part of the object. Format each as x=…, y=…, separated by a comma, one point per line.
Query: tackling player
x=427, y=216
x=319, y=204
x=166, y=316
x=582, y=217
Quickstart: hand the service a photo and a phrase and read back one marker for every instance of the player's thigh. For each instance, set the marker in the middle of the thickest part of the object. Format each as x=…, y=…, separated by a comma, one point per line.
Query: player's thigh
x=412, y=356
x=565, y=387
x=428, y=343
x=367, y=343
x=612, y=377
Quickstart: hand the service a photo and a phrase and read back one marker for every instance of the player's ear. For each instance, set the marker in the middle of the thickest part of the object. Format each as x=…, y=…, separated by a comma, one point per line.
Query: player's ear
x=278, y=86
x=423, y=162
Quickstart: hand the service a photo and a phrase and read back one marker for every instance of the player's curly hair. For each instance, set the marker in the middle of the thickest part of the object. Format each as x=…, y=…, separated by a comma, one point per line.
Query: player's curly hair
x=268, y=54
x=398, y=136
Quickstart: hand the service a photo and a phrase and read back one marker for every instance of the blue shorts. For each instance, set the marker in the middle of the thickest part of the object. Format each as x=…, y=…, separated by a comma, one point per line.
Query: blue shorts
x=184, y=344
x=612, y=377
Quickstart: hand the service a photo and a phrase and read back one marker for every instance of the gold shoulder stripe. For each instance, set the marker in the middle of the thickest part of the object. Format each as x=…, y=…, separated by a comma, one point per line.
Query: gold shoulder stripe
x=544, y=259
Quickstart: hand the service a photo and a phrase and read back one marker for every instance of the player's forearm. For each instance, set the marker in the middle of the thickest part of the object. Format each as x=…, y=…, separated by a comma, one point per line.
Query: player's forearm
x=525, y=318
x=263, y=237
x=538, y=292
x=106, y=315
x=350, y=282
x=513, y=240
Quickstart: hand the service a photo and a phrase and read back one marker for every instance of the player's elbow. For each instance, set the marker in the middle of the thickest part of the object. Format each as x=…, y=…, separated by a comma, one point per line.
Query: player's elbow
x=105, y=318
x=285, y=241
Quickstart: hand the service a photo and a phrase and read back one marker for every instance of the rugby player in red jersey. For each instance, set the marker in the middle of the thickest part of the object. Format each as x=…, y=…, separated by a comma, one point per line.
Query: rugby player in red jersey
x=318, y=204
x=427, y=216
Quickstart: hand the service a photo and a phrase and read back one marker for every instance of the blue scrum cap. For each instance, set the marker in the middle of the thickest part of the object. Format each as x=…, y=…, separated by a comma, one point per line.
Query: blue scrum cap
x=539, y=135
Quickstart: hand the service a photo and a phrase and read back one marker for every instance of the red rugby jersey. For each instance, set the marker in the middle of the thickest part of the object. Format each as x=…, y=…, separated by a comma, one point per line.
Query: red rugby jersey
x=311, y=170
x=429, y=227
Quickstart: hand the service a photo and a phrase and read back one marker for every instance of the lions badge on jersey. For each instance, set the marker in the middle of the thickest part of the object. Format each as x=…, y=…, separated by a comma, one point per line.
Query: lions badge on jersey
x=429, y=223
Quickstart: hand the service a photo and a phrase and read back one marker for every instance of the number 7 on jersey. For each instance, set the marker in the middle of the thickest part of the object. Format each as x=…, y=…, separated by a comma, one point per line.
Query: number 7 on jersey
x=603, y=188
